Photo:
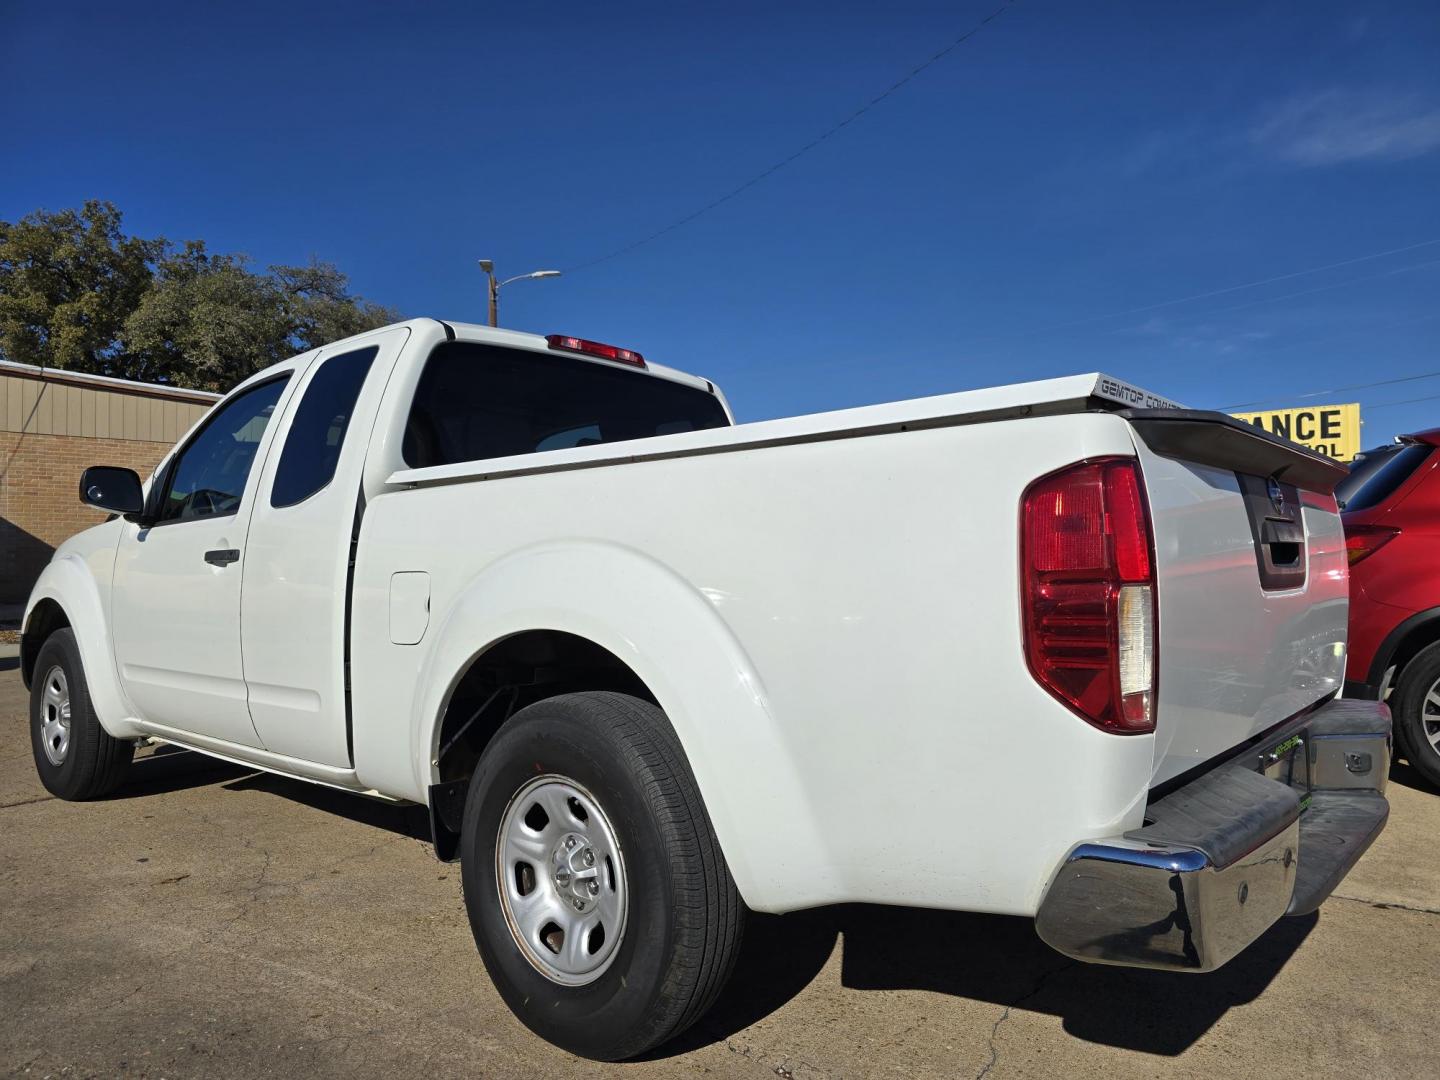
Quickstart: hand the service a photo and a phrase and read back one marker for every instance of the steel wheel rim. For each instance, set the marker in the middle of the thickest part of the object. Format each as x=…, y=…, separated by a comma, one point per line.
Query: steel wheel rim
x=55, y=715
x=561, y=879
x=1430, y=716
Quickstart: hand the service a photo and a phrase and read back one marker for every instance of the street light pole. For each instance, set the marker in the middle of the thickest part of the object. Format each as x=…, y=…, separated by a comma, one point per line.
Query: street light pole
x=488, y=267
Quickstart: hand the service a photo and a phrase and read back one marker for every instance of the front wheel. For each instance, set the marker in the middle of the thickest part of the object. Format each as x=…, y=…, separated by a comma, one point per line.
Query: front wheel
x=595, y=887
x=75, y=757
x=1416, y=708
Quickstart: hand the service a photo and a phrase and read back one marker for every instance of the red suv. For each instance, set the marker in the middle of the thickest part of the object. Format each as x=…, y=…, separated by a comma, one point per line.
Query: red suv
x=1392, y=534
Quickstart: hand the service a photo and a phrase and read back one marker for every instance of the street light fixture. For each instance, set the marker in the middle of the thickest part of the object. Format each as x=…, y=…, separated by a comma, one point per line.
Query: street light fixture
x=487, y=266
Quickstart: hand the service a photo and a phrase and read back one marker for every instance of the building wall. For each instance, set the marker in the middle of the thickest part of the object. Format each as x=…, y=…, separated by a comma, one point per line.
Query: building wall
x=53, y=425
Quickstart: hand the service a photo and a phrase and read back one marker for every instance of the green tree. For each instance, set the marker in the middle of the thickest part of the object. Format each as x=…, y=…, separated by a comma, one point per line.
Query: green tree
x=67, y=282
x=205, y=322
x=320, y=307
x=75, y=292
x=208, y=322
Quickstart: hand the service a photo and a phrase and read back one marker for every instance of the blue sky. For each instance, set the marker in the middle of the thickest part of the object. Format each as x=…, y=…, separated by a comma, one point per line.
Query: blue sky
x=1028, y=206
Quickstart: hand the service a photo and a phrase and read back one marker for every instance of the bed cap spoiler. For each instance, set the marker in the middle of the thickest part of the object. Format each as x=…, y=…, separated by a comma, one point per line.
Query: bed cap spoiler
x=1223, y=442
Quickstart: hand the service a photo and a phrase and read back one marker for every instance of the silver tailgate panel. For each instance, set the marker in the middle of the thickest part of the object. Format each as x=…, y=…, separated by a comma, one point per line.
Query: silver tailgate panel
x=1234, y=659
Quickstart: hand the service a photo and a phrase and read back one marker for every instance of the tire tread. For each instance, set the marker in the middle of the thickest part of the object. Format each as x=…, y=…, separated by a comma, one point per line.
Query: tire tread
x=706, y=891
x=1407, y=706
x=703, y=913
x=99, y=762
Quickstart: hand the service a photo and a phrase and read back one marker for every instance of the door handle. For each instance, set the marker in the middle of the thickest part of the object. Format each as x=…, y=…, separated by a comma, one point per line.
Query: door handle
x=222, y=556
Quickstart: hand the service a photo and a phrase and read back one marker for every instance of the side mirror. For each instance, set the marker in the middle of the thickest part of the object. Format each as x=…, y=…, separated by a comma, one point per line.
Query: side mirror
x=117, y=490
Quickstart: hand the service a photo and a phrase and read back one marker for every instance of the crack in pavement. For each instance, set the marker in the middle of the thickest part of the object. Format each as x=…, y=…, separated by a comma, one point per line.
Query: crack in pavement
x=27, y=802
x=252, y=895
x=1040, y=985
x=994, y=1050
x=122, y=998
x=1387, y=904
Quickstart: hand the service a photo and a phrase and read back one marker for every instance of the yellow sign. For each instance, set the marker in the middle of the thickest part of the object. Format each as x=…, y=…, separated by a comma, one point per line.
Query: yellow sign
x=1332, y=430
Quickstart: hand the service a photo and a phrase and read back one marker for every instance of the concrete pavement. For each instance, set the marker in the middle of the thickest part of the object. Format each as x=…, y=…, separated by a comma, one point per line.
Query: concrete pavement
x=209, y=921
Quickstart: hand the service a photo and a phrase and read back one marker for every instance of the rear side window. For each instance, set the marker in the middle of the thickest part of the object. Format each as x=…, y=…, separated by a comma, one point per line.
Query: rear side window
x=1364, y=466
x=312, y=447
x=1385, y=480
x=485, y=401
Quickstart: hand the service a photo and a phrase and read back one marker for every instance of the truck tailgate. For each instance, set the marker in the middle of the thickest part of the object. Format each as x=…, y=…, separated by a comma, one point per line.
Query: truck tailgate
x=1252, y=581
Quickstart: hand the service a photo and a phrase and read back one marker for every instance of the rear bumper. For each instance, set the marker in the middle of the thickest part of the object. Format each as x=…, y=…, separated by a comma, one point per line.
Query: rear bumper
x=1225, y=856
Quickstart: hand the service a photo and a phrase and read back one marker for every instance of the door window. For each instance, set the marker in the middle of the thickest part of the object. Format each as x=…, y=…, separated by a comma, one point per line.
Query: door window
x=208, y=478
x=312, y=446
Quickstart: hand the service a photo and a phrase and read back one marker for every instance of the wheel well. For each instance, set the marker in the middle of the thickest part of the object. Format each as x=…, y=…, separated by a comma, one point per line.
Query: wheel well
x=47, y=617
x=518, y=671
x=1421, y=637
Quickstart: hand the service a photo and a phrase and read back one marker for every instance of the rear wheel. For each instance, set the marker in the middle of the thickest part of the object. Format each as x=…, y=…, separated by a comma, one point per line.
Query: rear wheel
x=75, y=757
x=1416, y=708
x=596, y=890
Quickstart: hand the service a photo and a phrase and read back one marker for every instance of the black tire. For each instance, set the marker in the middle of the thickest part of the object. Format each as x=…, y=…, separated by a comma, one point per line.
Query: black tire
x=1407, y=705
x=93, y=763
x=681, y=933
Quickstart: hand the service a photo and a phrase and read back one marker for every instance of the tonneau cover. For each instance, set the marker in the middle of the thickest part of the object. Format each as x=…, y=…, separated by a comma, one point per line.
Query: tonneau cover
x=1045, y=397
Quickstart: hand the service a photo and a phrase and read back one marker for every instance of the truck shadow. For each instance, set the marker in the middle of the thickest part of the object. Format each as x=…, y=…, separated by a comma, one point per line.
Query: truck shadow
x=173, y=768
x=1406, y=775
x=990, y=958
x=403, y=819
x=987, y=958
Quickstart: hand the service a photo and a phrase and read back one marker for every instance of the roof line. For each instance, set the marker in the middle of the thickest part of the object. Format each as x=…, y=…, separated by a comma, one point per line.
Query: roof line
x=104, y=382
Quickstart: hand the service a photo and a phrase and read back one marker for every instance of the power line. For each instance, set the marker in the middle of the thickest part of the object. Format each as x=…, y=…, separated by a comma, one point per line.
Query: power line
x=1340, y=390
x=1303, y=343
x=1232, y=288
x=747, y=185
x=1409, y=401
x=1325, y=288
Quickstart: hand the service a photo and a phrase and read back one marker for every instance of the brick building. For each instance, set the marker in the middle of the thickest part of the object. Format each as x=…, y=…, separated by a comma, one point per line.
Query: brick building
x=52, y=425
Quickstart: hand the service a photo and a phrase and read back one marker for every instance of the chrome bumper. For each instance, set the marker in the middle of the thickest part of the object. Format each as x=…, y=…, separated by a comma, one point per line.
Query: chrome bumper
x=1224, y=857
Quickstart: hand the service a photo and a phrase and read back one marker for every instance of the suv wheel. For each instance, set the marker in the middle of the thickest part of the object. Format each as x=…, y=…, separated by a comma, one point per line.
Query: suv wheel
x=1416, y=708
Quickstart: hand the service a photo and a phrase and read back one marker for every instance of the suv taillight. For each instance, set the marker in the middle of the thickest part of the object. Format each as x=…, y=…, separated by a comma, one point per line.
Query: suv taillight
x=1087, y=559
x=1362, y=541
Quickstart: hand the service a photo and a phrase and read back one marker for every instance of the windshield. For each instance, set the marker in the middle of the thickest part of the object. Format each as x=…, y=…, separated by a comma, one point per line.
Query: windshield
x=485, y=401
x=1377, y=486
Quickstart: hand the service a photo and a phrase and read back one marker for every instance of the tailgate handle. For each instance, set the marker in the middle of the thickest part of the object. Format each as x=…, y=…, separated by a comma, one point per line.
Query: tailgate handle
x=1283, y=540
x=1277, y=530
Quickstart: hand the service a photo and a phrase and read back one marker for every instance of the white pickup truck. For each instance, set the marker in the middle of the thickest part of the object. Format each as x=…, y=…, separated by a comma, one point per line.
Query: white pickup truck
x=1057, y=650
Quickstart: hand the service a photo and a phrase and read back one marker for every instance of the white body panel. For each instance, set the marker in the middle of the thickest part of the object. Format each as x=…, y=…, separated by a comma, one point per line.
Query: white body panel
x=296, y=563
x=176, y=616
x=826, y=607
x=78, y=580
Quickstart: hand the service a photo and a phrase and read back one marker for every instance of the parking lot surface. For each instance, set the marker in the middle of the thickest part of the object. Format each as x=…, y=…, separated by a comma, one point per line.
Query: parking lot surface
x=211, y=921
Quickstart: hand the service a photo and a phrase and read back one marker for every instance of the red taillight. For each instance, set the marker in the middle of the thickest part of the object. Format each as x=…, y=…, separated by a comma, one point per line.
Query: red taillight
x=1362, y=541
x=595, y=348
x=1089, y=592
